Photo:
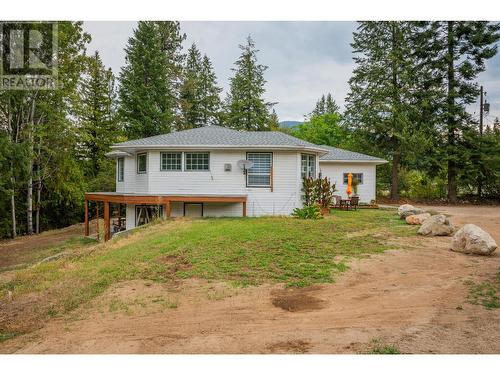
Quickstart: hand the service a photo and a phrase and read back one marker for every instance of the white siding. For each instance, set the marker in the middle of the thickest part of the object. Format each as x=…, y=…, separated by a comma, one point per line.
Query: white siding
x=130, y=216
x=335, y=171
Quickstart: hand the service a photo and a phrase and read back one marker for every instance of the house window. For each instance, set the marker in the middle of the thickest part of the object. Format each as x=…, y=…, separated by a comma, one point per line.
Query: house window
x=120, y=162
x=308, y=165
x=171, y=161
x=260, y=173
x=355, y=177
x=197, y=161
x=142, y=162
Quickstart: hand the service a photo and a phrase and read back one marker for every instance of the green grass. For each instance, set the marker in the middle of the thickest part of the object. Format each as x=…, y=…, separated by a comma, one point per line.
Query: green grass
x=486, y=293
x=242, y=251
x=378, y=347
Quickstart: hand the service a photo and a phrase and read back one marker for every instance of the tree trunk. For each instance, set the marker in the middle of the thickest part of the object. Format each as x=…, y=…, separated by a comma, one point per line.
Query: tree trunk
x=38, y=203
x=13, y=207
x=29, y=192
x=451, y=121
x=396, y=159
x=396, y=101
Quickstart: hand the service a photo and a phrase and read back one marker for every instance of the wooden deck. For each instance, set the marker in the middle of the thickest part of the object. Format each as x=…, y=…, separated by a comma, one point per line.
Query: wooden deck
x=165, y=200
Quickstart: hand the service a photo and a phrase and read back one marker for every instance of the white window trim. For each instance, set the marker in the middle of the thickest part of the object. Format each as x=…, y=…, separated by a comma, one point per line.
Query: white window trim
x=315, y=165
x=359, y=183
x=172, y=170
x=184, y=160
x=137, y=162
x=261, y=174
x=118, y=169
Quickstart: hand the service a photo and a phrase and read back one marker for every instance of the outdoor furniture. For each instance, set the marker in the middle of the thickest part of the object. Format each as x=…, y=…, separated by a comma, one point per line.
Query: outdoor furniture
x=345, y=204
x=354, y=202
x=337, y=199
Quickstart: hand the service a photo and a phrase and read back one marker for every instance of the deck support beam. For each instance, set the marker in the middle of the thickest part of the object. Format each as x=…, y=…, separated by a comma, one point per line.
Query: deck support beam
x=107, y=224
x=86, y=209
x=167, y=208
x=244, y=209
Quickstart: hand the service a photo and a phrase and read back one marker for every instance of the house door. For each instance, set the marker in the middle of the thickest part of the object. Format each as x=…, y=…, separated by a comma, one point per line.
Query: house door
x=193, y=209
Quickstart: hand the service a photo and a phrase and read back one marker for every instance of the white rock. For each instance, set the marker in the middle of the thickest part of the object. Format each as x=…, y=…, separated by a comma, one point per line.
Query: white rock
x=405, y=207
x=436, y=225
x=471, y=239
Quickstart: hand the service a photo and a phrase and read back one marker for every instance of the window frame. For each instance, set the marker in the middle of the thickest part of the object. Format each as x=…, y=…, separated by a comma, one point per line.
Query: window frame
x=171, y=153
x=271, y=167
x=344, y=177
x=120, y=178
x=186, y=169
x=139, y=154
x=308, y=156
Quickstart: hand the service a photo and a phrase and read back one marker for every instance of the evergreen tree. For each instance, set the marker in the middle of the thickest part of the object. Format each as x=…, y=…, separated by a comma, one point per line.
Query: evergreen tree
x=96, y=113
x=378, y=105
x=190, y=91
x=455, y=53
x=150, y=79
x=325, y=105
x=199, y=94
x=274, y=122
x=210, y=103
x=245, y=106
x=330, y=106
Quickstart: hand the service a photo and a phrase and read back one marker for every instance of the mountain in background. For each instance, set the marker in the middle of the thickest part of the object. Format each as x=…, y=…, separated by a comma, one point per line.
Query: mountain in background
x=289, y=124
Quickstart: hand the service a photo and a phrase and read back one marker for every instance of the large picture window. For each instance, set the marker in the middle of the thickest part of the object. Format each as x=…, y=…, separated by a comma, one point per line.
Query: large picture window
x=171, y=161
x=142, y=162
x=197, y=161
x=355, y=177
x=120, y=169
x=308, y=165
x=260, y=173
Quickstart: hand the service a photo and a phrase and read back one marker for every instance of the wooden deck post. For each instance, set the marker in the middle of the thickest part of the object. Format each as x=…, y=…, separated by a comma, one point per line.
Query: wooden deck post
x=244, y=209
x=107, y=224
x=168, y=208
x=86, y=209
x=97, y=219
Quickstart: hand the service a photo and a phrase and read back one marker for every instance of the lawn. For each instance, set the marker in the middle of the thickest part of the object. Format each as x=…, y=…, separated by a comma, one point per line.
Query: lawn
x=241, y=251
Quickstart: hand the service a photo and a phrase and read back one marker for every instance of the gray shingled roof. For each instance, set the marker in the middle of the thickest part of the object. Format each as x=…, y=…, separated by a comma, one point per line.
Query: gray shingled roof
x=335, y=153
x=219, y=136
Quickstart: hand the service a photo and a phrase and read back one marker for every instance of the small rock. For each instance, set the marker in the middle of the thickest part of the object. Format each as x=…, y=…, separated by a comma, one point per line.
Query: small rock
x=405, y=207
x=471, y=239
x=417, y=219
x=415, y=211
x=436, y=225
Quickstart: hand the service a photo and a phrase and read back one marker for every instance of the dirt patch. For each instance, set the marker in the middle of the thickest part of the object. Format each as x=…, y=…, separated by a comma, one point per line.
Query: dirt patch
x=176, y=263
x=297, y=299
x=414, y=298
x=292, y=346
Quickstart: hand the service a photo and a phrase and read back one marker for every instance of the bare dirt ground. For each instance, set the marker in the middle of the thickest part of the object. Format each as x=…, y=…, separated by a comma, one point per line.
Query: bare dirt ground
x=413, y=298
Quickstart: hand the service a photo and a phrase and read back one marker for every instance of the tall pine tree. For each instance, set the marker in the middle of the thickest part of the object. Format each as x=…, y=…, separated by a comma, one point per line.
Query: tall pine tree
x=96, y=113
x=199, y=94
x=454, y=53
x=378, y=105
x=150, y=79
x=245, y=105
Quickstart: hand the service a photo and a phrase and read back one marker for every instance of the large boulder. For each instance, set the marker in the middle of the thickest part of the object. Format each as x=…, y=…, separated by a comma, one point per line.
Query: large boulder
x=405, y=207
x=417, y=219
x=436, y=225
x=471, y=239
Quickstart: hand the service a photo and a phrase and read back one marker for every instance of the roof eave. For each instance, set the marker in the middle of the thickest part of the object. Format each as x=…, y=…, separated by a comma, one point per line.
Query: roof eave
x=133, y=148
x=376, y=162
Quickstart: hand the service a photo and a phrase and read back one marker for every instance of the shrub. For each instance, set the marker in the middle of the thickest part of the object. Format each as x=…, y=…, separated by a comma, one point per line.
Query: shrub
x=308, y=212
x=318, y=191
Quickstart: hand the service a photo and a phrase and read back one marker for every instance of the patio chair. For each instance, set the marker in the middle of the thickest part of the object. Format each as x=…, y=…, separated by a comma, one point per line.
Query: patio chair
x=354, y=203
x=337, y=200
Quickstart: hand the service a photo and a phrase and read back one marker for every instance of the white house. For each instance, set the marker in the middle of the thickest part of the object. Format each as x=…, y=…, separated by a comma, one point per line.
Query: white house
x=217, y=171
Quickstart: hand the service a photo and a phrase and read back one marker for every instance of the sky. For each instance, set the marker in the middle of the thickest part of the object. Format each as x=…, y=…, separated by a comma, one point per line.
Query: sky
x=304, y=59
